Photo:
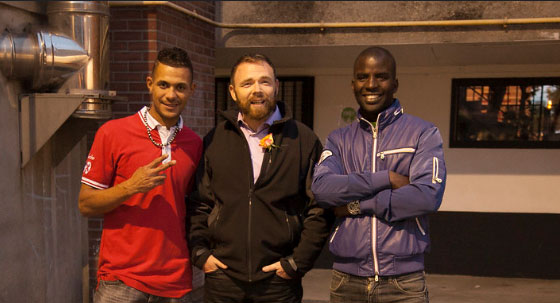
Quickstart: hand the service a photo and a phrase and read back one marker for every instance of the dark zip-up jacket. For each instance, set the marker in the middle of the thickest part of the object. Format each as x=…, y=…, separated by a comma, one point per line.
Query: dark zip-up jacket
x=246, y=224
x=391, y=235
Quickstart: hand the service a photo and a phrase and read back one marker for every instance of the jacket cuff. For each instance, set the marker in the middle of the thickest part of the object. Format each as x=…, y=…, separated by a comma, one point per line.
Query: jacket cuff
x=381, y=181
x=289, y=266
x=199, y=256
x=382, y=201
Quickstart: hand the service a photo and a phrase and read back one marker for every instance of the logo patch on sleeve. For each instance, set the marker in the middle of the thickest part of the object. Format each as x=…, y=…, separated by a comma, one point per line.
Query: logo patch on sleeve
x=326, y=153
x=87, y=167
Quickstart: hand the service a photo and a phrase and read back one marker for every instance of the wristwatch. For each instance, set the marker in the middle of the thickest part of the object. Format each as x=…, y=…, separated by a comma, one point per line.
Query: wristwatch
x=353, y=208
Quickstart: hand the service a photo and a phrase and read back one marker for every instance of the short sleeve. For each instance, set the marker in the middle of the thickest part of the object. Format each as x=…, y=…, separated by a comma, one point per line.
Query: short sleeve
x=99, y=168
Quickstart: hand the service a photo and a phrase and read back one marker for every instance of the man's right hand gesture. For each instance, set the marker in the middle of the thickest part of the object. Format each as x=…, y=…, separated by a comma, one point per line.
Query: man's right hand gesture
x=95, y=202
x=149, y=176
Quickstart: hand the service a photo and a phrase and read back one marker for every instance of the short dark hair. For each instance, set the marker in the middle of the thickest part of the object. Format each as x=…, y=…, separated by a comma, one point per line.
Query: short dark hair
x=251, y=58
x=175, y=57
x=379, y=52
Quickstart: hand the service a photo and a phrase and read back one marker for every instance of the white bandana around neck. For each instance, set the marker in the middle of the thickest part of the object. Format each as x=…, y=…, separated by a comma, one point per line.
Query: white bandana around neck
x=163, y=132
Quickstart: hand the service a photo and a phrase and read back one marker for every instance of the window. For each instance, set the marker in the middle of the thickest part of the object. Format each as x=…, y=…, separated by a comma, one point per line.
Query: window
x=505, y=113
x=296, y=92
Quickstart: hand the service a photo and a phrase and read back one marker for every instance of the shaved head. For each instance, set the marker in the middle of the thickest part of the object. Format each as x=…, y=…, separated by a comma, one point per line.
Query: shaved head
x=379, y=53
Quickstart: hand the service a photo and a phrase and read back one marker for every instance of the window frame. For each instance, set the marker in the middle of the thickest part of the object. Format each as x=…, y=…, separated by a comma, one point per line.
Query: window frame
x=458, y=84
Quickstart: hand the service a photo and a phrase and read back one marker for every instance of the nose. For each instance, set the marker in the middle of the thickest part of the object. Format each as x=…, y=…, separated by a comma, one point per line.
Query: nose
x=171, y=93
x=257, y=89
x=371, y=83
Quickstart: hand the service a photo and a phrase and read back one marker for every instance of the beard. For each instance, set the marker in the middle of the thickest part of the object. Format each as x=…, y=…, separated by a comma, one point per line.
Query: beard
x=257, y=112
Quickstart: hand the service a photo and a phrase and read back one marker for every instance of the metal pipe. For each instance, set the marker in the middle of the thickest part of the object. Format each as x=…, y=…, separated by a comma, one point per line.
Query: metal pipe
x=87, y=22
x=45, y=58
x=320, y=25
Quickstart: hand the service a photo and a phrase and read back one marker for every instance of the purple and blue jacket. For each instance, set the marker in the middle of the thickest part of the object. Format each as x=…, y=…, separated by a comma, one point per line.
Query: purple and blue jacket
x=390, y=235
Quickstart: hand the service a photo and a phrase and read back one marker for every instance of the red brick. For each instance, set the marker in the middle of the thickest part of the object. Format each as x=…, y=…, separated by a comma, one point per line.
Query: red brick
x=127, y=35
x=150, y=35
x=118, y=24
x=141, y=66
x=142, y=45
x=150, y=56
x=118, y=107
x=128, y=77
x=137, y=86
x=126, y=56
x=126, y=13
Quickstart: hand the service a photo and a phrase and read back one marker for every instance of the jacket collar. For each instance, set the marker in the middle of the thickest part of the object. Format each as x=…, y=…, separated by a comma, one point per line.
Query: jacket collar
x=232, y=114
x=386, y=117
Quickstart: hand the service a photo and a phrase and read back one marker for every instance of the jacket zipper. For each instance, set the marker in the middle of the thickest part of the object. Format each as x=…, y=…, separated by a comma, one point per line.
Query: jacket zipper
x=334, y=234
x=249, y=259
x=382, y=154
x=373, y=219
x=435, y=170
x=420, y=227
x=289, y=227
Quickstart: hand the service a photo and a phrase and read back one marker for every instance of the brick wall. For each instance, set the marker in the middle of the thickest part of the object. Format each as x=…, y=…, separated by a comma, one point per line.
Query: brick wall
x=137, y=33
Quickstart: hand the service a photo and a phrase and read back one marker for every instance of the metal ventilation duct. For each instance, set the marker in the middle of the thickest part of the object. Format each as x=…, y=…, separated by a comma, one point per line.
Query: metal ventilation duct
x=45, y=58
x=69, y=61
x=87, y=22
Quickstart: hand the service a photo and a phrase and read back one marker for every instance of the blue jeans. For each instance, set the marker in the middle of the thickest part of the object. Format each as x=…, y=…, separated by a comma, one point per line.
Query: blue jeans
x=407, y=288
x=220, y=288
x=118, y=292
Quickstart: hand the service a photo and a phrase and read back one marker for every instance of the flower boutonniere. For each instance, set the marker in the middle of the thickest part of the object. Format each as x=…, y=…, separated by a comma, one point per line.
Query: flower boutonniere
x=267, y=142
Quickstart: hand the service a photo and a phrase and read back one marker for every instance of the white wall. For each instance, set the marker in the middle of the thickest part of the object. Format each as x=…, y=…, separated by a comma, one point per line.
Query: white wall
x=479, y=180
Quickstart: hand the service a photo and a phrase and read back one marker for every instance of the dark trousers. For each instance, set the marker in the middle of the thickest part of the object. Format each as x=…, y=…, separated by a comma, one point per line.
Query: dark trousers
x=407, y=288
x=220, y=288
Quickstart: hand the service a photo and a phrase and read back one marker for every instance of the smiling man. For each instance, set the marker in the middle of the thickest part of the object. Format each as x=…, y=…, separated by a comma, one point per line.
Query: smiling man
x=256, y=229
x=382, y=175
x=136, y=176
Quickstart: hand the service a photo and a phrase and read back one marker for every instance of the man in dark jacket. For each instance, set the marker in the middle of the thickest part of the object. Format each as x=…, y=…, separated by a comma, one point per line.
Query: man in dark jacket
x=255, y=227
x=383, y=174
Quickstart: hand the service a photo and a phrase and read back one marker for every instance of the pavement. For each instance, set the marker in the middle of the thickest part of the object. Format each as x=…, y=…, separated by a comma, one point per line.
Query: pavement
x=456, y=289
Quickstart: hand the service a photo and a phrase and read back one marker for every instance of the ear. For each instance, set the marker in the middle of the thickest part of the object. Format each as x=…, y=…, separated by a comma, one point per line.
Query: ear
x=232, y=93
x=149, y=83
x=276, y=87
x=193, y=87
x=396, y=85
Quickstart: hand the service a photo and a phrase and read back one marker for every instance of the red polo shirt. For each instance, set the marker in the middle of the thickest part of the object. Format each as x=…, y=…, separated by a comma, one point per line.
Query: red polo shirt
x=144, y=239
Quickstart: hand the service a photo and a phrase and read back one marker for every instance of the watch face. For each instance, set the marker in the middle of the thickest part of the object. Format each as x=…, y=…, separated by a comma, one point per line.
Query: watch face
x=354, y=208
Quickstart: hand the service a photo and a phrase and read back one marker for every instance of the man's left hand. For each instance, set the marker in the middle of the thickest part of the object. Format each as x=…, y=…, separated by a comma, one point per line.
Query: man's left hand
x=278, y=268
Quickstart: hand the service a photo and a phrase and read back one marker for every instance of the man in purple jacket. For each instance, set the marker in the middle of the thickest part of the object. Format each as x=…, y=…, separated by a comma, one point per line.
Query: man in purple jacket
x=383, y=174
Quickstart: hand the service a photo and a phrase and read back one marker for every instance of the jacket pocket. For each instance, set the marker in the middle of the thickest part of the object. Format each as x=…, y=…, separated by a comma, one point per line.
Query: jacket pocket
x=352, y=238
x=382, y=154
x=214, y=217
x=420, y=228
x=404, y=238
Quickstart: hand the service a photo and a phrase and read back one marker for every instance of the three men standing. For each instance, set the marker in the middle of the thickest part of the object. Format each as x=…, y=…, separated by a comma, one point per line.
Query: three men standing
x=382, y=174
x=255, y=228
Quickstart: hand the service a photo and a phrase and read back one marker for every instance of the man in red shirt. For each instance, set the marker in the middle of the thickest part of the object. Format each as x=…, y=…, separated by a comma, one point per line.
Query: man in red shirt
x=137, y=174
